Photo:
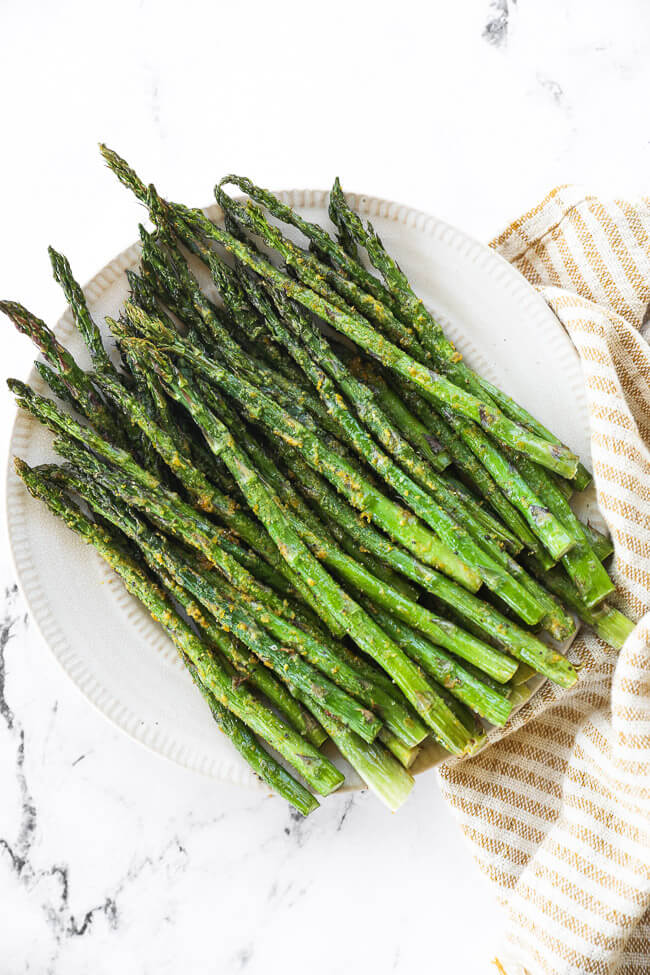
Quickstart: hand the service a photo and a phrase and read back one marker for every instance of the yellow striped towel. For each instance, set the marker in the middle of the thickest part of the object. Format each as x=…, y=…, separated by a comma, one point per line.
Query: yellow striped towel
x=557, y=809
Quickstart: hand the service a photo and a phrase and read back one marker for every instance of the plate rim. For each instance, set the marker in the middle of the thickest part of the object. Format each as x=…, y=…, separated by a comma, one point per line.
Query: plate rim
x=43, y=615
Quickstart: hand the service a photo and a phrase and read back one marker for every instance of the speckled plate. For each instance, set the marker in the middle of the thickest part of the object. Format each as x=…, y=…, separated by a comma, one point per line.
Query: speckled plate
x=123, y=662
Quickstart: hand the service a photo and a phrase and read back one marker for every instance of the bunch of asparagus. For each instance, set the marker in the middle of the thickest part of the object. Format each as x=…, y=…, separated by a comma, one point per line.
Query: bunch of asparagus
x=297, y=474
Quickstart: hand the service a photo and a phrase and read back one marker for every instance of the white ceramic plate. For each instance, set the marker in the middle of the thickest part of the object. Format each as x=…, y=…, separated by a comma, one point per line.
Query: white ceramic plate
x=104, y=640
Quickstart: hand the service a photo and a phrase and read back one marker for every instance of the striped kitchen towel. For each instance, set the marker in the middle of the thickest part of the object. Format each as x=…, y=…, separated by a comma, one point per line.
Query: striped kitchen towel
x=557, y=809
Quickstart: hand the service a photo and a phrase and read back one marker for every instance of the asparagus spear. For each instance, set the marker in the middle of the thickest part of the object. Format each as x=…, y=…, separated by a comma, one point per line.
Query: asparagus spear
x=415, y=312
x=398, y=294
x=477, y=695
x=243, y=661
x=433, y=385
x=72, y=375
x=517, y=641
x=175, y=517
x=230, y=617
x=317, y=770
x=58, y=387
x=207, y=497
x=378, y=769
x=361, y=493
x=405, y=754
x=508, y=539
x=252, y=752
x=601, y=544
x=516, y=412
x=77, y=301
x=344, y=237
x=581, y=563
x=541, y=519
x=360, y=626
x=433, y=507
x=448, y=434
x=610, y=624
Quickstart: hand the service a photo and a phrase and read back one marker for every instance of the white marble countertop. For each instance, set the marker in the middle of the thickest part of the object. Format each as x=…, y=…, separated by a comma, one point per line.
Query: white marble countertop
x=112, y=859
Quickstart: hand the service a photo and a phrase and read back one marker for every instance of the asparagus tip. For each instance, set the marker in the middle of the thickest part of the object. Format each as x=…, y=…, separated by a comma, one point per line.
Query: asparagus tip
x=127, y=176
x=10, y=308
x=18, y=388
x=21, y=467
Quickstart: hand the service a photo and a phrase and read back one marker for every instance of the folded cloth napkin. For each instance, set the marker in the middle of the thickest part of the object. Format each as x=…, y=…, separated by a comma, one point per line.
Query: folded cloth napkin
x=557, y=809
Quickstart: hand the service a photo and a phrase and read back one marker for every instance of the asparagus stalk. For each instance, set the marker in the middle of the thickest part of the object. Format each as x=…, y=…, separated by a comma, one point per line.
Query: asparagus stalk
x=344, y=237
x=433, y=385
x=77, y=301
x=478, y=696
x=257, y=675
x=72, y=375
x=516, y=412
x=175, y=517
x=517, y=641
x=58, y=387
x=581, y=563
x=523, y=674
x=322, y=655
x=263, y=764
x=361, y=493
x=610, y=624
x=601, y=544
x=414, y=311
x=207, y=497
x=542, y=522
x=508, y=539
x=229, y=616
x=432, y=507
x=448, y=434
x=368, y=636
x=372, y=563
x=317, y=770
x=405, y=754
x=379, y=770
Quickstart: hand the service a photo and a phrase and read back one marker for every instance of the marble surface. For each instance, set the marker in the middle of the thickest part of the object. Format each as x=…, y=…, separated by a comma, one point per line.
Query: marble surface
x=110, y=857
